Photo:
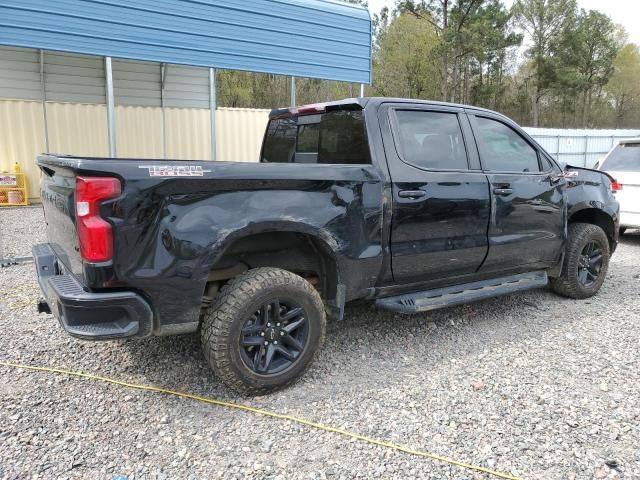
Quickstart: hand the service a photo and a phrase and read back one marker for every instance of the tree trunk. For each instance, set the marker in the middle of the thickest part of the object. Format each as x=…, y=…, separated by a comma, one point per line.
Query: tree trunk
x=535, y=110
x=589, y=104
x=444, y=85
x=620, y=111
x=467, y=84
x=584, y=110
x=454, y=79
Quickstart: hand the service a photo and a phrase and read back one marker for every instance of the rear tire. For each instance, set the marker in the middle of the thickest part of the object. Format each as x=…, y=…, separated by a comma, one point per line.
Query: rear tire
x=623, y=230
x=263, y=330
x=585, y=263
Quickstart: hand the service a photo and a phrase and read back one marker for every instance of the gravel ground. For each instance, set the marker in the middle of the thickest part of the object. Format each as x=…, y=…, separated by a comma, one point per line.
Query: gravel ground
x=531, y=384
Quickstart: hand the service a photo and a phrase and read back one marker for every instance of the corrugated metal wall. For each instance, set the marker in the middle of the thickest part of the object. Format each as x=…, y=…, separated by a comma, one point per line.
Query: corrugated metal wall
x=186, y=87
x=582, y=148
x=74, y=78
x=81, y=129
x=20, y=73
x=305, y=38
x=81, y=79
x=136, y=83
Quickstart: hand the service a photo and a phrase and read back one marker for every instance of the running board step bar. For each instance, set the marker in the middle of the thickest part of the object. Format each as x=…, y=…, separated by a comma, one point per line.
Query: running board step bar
x=465, y=293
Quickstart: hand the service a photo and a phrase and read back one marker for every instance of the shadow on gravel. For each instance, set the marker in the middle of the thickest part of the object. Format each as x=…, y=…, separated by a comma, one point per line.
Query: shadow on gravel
x=391, y=345
x=631, y=238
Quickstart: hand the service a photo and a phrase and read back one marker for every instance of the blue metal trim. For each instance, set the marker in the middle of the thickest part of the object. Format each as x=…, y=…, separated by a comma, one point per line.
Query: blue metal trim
x=304, y=38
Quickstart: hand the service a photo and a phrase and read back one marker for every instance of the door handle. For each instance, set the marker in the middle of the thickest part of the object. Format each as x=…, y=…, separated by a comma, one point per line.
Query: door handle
x=412, y=194
x=504, y=192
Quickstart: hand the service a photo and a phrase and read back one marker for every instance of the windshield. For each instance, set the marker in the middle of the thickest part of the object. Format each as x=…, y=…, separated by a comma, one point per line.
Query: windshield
x=624, y=158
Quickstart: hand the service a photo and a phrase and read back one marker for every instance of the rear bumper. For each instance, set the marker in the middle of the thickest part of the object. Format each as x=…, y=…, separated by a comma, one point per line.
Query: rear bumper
x=87, y=315
x=630, y=219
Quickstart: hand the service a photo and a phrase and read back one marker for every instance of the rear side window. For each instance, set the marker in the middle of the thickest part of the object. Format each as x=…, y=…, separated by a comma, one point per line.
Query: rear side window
x=431, y=140
x=623, y=158
x=502, y=149
x=336, y=137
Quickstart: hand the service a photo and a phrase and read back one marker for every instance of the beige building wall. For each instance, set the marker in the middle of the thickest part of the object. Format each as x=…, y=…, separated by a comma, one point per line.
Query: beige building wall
x=21, y=139
x=81, y=129
x=188, y=134
x=138, y=132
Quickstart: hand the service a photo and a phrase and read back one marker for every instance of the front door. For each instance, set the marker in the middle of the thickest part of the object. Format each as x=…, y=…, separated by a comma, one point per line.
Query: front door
x=528, y=214
x=441, y=205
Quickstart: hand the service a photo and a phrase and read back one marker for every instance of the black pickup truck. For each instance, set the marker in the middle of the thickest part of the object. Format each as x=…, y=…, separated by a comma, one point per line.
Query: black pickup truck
x=413, y=205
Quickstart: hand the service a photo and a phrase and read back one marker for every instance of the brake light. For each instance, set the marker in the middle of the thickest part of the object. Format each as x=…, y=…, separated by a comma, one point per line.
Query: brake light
x=308, y=109
x=615, y=186
x=94, y=233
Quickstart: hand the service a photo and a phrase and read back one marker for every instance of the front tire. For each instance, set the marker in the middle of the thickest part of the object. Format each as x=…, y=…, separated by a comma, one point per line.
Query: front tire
x=263, y=330
x=585, y=263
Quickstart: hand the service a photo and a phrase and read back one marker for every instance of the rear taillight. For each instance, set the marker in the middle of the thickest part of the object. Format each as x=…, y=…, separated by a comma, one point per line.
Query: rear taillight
x=615, y=186
x=94, y=233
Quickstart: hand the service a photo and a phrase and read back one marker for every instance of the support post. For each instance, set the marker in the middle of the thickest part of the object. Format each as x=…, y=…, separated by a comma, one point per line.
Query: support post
x=586, y=151
x=43, y=96
x=293, y=91
x=213, y=105
x=362, y=90
x=163, y=124
x=111, y=108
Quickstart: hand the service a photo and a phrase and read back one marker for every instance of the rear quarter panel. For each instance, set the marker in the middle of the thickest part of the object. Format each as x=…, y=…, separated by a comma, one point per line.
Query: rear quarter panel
x=588, y=188
x=169, y=232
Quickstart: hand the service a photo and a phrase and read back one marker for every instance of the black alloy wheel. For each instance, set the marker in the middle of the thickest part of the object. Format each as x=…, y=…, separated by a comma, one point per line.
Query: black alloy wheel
x=263, y=330
x=274, y=337
x=590, y=263
x=585, y=263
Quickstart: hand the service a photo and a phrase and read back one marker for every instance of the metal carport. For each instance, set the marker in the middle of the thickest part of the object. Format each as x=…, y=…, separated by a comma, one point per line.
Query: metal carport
x=305, y=38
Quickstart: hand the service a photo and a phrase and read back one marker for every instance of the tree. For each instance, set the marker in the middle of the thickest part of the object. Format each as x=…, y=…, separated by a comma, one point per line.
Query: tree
x=469, y=32
x=405, y=62
x=624, y=87
x=448, y=18
x=490, y=37
x=589, y=49
x=544, y=21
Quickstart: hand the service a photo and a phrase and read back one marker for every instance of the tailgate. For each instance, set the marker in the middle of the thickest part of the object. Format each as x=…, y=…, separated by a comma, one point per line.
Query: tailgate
x=57, y=192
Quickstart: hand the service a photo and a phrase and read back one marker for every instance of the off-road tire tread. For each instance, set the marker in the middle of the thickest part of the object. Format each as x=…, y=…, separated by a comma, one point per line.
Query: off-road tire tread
x=567, y=284
x=216, y=324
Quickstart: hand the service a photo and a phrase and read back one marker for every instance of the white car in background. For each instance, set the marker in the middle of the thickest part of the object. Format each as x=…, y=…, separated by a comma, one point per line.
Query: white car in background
x=623, y=164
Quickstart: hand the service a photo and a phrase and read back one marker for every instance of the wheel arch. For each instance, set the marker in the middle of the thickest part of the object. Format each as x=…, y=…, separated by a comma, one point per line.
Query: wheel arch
x=598, y=217
x=302, y=249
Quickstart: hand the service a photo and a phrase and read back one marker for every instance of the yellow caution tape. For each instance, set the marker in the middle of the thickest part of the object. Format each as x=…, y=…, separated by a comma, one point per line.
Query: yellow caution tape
x=266, y=413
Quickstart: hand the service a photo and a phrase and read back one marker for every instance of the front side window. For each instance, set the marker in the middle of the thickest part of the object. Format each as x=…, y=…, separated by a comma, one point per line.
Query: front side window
x=335, y=137
x=431, y=140
x=624, y=158
x=502, y=149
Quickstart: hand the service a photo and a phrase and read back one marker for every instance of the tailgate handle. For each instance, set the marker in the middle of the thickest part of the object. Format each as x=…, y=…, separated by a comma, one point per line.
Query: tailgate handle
x=502, y=191
x=412, y=194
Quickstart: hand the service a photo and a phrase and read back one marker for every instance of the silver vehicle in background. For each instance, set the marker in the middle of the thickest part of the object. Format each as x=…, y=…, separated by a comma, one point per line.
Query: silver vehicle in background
x=623, y=164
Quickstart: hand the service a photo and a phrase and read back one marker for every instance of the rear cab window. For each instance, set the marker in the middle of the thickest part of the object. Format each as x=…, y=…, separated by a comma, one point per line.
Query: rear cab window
x=332, y=137
x=624, y=158
x=431, y=140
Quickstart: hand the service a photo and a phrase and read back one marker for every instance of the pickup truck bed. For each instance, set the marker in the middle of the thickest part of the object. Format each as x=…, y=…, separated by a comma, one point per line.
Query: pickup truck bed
x=412, y=204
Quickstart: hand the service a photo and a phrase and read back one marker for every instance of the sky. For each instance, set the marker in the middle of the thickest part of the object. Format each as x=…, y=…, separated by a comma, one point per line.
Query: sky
x=623, y=12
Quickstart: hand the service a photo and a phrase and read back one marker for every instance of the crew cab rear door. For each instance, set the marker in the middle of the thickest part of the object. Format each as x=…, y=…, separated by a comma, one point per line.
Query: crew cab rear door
x=441, y=201
x=528, y=215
